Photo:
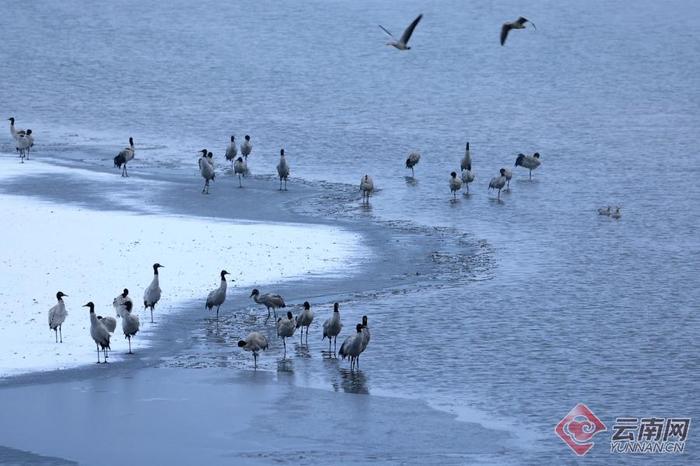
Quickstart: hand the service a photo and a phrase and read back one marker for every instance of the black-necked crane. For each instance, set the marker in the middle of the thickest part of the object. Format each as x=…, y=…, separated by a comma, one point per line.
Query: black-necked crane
x=269, y=300
x=98, y=332
x=304, y=320
x=57, y=315
x=254, y=342
x=151, y=295
x=332, y=327
x=529, y=162
x=125, y=156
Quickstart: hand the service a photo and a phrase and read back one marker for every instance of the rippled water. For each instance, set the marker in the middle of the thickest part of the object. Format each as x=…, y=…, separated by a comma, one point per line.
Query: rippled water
x=577, y=308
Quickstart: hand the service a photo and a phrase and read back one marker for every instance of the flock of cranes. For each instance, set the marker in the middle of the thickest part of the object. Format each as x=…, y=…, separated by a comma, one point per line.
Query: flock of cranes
x=102, y=328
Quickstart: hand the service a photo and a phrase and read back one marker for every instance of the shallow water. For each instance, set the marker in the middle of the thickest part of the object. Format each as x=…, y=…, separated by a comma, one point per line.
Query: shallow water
x=572, y=307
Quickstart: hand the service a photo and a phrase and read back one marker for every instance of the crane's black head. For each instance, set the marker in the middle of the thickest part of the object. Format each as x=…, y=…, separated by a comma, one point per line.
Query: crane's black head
x=536, y=155
x=336, y=306
x=503, y=172
x=289, y=315
x=203, y=151
x=223, y=274
x=240, y=159
x=241, y=343
x=247, y=138
x=307, y=305
x=128, y=305
x=60, y=295
x=210, y=155
x=364, y=321
x=12, y=120
x=156, y=266
x=125, y=293
x=131, y=141
x=99, y=317
x=281, y=151
x=90, y=305
x=29, y=131
x=453, y=175
x=255, y=292
x=359, y=328
x=519, y=160
x=233, y=138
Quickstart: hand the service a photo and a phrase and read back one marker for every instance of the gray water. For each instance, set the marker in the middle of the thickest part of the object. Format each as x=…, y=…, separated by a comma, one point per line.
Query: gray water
x=576, y=308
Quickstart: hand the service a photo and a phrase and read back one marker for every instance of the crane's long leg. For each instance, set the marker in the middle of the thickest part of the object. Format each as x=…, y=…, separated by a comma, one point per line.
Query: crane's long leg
x=284, y=342
x=98, y=353
x=285, y=184
x=60, y=331
x=255, y=359
x=151, y=314
x=217, y=312
x=129, y=337
x=240, y=185
x=105, y=352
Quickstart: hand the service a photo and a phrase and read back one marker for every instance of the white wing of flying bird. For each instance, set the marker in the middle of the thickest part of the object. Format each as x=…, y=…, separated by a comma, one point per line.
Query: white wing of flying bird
x=402, y=43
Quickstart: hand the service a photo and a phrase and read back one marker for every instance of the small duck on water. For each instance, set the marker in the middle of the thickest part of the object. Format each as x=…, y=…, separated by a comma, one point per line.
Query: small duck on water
x=604, y=210
x=616, y=214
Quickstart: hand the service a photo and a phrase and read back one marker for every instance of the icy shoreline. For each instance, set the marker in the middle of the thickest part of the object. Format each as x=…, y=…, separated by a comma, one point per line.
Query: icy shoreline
x=91, y=255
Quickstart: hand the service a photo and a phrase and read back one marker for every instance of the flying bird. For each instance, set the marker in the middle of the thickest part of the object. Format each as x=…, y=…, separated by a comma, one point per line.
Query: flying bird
x=517, y=24
x=402, y=43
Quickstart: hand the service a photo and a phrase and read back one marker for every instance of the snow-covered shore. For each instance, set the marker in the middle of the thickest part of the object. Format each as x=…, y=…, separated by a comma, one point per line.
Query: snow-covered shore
x=91, y=255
